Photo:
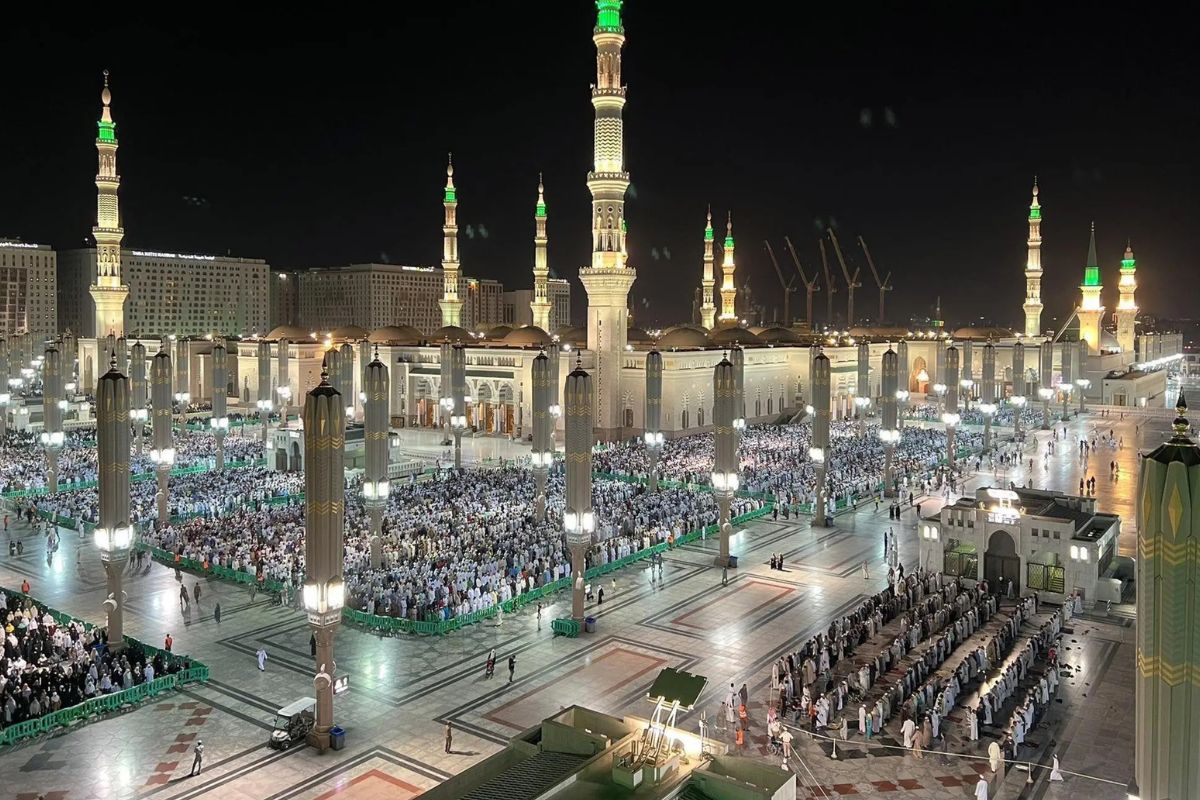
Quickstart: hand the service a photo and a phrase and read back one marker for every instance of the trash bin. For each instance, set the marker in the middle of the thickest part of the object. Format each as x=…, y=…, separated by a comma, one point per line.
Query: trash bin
x=733, y=562
x=589, y=624
x=337, y=737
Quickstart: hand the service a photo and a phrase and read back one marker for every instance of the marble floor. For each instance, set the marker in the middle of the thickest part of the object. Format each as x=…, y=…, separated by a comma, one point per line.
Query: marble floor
x=405, y=689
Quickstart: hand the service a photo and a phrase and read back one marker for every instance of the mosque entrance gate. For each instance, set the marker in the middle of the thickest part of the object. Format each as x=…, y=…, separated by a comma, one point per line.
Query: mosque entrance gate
x=1001, y=561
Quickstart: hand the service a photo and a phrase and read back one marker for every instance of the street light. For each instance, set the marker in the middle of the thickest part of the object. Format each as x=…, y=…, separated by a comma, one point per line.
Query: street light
x=725, y=481
x=889, y=436
x=164, y=457
x=1083, y=384
x=988, y=410
x=1046, y=394
x=112, y=540
x=967, y=384
x=817, y=454
x=1018, y=402
x=1065, y=392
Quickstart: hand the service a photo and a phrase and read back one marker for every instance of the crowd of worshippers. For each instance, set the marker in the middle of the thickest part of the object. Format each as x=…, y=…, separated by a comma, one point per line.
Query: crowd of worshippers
x=47, y=667
x=460, y=543
x=775, y=459
x=1031, y=415
x=208, y=494
x=23, y=459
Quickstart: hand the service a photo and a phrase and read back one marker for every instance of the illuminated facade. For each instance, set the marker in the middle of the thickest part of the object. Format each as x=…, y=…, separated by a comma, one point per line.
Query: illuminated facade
x=608, y=279
x=1033, y=268
x=728, y=289
x=450, y=304
x=517, y=309
x=1090, y=309
x=1126, y=313
x=108, y=292
x=540, y=304
x=708, y=308
x=29, y=281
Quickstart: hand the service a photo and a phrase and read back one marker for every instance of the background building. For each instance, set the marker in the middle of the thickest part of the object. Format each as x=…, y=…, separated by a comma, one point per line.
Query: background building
x=28, y=275
x=171, y=293
x=284, y=288
x=517, y=310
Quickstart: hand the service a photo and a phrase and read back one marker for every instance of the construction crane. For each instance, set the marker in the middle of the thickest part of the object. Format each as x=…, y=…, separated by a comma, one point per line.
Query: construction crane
x=885, y=285
x=828, y=281
x=809, y=286
x=788, y=288
x=851, y=283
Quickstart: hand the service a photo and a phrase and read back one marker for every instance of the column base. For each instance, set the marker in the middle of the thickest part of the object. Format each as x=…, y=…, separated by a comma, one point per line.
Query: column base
x=724, y=561
x=319, y=740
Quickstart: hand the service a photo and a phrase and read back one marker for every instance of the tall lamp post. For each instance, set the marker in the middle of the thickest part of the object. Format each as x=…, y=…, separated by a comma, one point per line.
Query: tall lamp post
x=1083, y=384
x=219, y=421
x=346, y=377
x=950, y=415
x=542, y=454
x=137, y=387
x=940, y=390
x=324, y=513
x=1045, y=376
x=263, y=402
x=283, y=386
x=579, y=521
x=52, y=413
x=725, y=461
x=889, y=431
x=862, y=393
x=446, y=401
x=114, y=535
x=653, y=435
x=376, y=486
x=967, y=386
x=162, y=454
x=987, y=393
x=819, y=452
x=5, y=390
x=901, y=405
x=183, y=391
x=458, y=388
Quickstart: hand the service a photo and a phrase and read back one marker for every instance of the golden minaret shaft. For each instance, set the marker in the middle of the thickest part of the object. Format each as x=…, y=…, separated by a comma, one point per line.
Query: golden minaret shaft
x=728, y=289
x=450, y=303
x=540, y=305
x=108, y=292
x=708, y=310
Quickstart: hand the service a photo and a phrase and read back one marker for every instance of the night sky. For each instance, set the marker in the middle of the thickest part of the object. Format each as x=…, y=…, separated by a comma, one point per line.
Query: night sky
x=321, y=141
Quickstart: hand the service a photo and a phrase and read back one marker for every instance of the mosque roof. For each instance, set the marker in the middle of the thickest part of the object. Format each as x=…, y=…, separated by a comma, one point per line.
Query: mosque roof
x=395, y=334
x=684, y=336
x=733, y=336
x=573, y=336
x=497, y=332
x=879, y=332
x=779, y=336
x=349, y=333
x=529, y=335
x=451, y=333
x=291, y=332
x=983, y=333
x=636, y=335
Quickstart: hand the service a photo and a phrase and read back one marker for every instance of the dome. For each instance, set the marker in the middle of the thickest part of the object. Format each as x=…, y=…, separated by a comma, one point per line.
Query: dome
x=451, y=333
x=756, y=329
x=638, y=336
x=684, y=336
x=982, y=333
x=395, y=334
x=576, y=337
x=528, y=336
x=733, y=336
x=349, y=333
x=497, y=332
x=779, y=336
x=292, y=333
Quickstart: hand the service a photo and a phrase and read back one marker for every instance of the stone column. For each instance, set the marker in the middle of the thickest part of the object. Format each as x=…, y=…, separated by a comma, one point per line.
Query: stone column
x=376, y=486
x=346, y=376
x=579, y=521
x=653, y=434
x=163, y=452
x=122, y=351
x=1066, y=384
x=446, y=400
x=862, y=390
x=324, y=511
x=555, y=355
x=113, y=535
x=183, y=352
x=1018, y=387
x=1045, y=380
x=889, y=432
x=458, y=389
x=52, y=425
x=725, y=458
x=1167, y=702
x=737, y=357
x=219, y=420
x=819, y=452
x=284, y=381
x=987, y=393
x=902, y=373
x=542, y=454
x=5, y=389
x=263, y=399
x=950, y=415
x=364, y=359
x=137, y=388
x=967, y=361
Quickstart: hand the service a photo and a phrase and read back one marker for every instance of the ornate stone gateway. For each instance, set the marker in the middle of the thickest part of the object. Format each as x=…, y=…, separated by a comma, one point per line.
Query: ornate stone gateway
x=1001, y=561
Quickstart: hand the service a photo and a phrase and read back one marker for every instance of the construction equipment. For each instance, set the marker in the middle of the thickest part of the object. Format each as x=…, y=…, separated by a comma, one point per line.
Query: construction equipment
x=788, y=287
x=851, y=283
x=809, y=286
x=828, y=282
x=884, y=286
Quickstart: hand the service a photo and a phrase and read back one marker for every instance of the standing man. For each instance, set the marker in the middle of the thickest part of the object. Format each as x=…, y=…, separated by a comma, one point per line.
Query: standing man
x=449, y=737
x=512, y=666
x=261, y=655
x=217, y=613
x=199, y=757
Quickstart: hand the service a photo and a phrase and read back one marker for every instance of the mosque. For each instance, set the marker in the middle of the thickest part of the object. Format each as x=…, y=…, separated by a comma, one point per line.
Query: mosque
x=1121, y=369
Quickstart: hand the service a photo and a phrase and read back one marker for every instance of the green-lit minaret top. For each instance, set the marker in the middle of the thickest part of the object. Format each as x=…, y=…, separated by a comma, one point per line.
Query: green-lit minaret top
x=608, y=14
x=708, y=231
x=107, y=128
x=540, y=210
x=1091, y=271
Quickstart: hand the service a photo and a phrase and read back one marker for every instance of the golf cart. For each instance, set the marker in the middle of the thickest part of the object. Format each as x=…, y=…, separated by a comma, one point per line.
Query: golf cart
x=292, y=723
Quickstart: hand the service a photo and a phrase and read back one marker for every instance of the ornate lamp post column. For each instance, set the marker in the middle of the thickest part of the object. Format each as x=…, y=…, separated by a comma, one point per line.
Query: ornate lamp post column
x=114, y=535
x=1083, y=384
x=889, y=431
x=725, y=459
x=346, y=379
x=6, y=389
x=458, y=388
x=219, y=420
x=653, y=435
x=987, y=393
x=579, y=521
x=1018, y=399
x=163, y=452
x=446, y=401
x=542, y=455
x=283, y=383
x=324, y=511
x=737, y=357
x=1065, y=384
x=819, y=452
x=555, y=356
x=968, y=388
x=263, y=403
x=52, y=410
x=122, y=351
x=376, y=486
x=364, y=360
x=950, y=415
x=137, y=386
x=1045, y=374
x=862, y=393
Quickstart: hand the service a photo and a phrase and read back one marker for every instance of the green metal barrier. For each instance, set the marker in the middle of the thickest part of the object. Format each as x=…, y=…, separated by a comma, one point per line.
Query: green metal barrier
x=135, y=478
x=565, y=627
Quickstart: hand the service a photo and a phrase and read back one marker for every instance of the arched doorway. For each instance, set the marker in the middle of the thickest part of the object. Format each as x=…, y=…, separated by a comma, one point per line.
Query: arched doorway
x=296, y=459
x=281, y=460
x=1001, y=561
x=918, y=379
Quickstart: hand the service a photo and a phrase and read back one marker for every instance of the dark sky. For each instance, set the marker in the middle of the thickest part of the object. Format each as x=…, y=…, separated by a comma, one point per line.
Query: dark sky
x=318, y=141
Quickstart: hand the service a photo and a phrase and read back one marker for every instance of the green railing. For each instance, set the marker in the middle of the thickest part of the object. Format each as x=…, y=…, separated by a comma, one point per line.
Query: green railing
x=135, y=478
x=665, y=484
x=437, y=627
x=196, y=673
x=210, y=570
x=565, y=627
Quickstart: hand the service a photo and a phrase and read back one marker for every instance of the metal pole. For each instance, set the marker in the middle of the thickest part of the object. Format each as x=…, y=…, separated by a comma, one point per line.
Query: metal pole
x=725, y=459
x=543, y=436
x=162, y=453
x=820, y=434
x=219, y=420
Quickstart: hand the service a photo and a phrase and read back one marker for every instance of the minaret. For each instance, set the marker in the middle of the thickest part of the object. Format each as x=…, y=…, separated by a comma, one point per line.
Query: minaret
x=1127, y=309
x=608, y=280
x=708, y=310
x=1033, y=268
x=1090, y=310
x=728, y=290
x=540, y=305
x=450, y=304
x=108, y=293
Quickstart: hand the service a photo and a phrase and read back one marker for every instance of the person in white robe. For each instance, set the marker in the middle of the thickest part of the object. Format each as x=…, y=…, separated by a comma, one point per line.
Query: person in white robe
x=908, y=729
x=1055, y=774
x=862, y=719
x=981, y=789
